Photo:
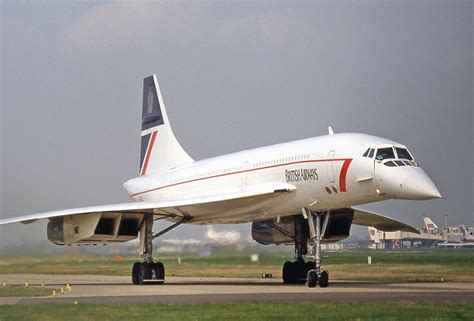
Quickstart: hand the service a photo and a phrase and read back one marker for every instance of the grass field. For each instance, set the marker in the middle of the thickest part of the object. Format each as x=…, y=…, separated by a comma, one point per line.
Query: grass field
x=245, y=311
x=450, y=266
x=20, y=291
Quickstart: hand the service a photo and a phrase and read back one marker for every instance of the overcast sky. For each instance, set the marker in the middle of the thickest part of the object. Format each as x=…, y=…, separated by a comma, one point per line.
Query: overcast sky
x=234, y=76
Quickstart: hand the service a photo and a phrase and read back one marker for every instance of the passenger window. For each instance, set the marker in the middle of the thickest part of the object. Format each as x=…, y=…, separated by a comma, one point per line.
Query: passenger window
x=384, y=153
x=403, y=153
x=366, y=152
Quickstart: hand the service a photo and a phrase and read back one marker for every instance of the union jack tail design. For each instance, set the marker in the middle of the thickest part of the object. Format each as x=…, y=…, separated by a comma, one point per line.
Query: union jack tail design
x=429, y=224
x=160, y=151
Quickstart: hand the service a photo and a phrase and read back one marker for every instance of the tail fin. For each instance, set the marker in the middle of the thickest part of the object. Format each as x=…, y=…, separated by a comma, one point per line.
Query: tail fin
x=373, y=234
x=160, y=151
x=429, y=224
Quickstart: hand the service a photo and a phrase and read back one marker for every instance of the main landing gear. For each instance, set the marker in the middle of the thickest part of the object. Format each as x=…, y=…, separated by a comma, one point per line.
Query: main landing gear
x=149, y=271
x=299, y=271
x=143, y=272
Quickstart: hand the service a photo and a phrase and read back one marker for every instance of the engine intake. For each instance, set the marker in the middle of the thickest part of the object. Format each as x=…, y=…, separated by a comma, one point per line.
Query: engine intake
x=94, y=228
x=336, y=227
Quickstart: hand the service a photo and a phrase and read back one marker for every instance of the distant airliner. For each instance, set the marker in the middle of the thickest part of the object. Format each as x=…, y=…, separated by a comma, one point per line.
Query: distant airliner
x=300, y=193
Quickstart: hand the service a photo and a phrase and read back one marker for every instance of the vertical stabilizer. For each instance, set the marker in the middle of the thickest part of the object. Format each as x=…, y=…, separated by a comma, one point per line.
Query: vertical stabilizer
x=373, y=234
x=429, y=224
x=160, y=151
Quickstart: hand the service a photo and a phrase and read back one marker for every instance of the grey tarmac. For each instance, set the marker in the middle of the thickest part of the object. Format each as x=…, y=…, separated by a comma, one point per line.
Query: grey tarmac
x=93, y=289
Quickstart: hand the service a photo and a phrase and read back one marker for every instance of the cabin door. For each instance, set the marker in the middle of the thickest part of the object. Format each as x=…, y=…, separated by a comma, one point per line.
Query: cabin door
x=330, y=167
x=243, y=176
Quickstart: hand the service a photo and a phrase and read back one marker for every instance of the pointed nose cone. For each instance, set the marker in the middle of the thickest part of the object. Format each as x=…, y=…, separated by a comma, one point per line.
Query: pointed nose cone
x=419, y=187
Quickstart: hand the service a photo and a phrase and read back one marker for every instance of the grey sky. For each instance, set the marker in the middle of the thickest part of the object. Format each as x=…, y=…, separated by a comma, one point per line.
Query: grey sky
x=233, y=76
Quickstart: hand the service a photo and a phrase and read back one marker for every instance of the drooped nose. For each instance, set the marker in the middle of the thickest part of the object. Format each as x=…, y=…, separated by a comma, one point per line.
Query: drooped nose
x=419, y=186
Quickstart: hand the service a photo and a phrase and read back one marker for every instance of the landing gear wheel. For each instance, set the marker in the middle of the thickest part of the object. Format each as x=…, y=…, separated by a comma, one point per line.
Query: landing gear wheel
x=300, y=272
x=288, y=273
x=324, y=279
x=135, y=273
x=312, y=278
x=159, y=270
x=307, y=267
x=145, y=272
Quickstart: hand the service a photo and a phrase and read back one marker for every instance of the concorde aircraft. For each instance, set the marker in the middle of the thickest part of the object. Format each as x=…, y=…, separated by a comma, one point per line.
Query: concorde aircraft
x=301, y=192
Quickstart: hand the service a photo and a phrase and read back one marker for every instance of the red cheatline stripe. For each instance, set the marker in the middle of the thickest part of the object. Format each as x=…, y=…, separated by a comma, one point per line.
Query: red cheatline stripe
x=346, y=160
x=342, y=176
x=148, y=153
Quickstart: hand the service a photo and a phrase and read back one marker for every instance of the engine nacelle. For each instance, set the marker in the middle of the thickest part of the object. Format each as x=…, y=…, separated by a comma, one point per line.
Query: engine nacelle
x=265, y=234
x=94, y=228
x=335, y=227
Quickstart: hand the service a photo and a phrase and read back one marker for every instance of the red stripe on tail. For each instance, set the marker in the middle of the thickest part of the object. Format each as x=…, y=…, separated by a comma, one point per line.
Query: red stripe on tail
x=148, y=153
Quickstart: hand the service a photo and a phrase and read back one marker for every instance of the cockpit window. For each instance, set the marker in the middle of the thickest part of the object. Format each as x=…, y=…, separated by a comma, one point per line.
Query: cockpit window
x=384, y=153
x=366, y=152
x=371, y=153
x=403, y=153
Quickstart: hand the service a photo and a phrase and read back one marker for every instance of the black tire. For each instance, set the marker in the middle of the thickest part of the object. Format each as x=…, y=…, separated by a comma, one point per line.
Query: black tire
x=135, y=273
x=145, y=272
x=312, y=278
x=288, y=273
x=159, y=270
x=299, y=272
x=306, y=268
x=310, y=265
x=324, y=279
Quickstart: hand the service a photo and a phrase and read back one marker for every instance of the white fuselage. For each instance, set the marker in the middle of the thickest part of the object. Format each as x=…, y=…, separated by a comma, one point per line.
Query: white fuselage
x=329, y=172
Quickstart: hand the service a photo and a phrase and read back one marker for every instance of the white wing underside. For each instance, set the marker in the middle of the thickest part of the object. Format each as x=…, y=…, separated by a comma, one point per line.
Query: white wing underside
x=176, y=209
x=380, y=222
x=232, y=202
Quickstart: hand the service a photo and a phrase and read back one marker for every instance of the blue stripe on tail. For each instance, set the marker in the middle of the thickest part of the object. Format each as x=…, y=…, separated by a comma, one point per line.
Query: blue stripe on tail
x=151, y=112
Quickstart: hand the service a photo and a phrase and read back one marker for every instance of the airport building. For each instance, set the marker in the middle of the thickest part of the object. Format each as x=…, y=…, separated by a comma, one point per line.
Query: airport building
x=429, y=236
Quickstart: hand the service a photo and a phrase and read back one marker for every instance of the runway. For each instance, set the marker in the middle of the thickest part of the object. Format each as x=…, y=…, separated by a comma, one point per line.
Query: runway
x=87, y=289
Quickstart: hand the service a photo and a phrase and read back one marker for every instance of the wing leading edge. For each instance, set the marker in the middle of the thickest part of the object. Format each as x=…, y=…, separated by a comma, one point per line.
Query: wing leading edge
x=165, y=209
x=380, y=222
